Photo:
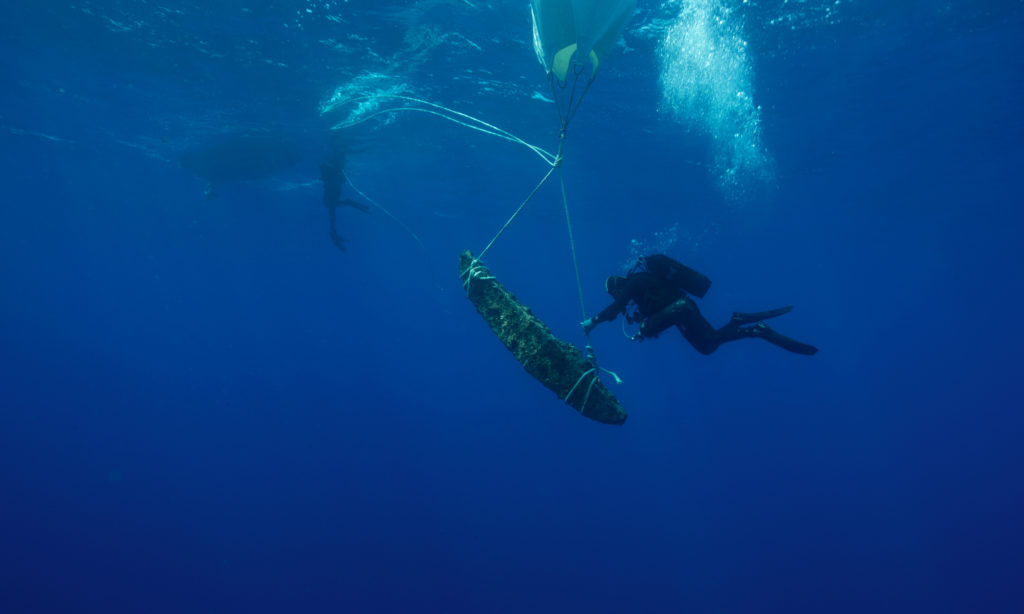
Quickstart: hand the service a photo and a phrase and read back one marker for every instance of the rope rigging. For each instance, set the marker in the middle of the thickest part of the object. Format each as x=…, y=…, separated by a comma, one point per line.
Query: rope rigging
x=571, y=38
x=568, y=96
x=567, y=107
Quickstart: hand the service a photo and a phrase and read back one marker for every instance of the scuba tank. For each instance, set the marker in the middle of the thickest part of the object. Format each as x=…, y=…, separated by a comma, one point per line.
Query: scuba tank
x=675, y=273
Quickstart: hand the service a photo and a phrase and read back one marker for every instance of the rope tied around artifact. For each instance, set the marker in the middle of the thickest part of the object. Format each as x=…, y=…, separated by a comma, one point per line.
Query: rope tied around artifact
x=593, y=370
x=475, y=270
x=571, y=106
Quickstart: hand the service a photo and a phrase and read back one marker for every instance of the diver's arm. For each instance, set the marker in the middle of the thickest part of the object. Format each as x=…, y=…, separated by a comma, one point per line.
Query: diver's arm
x=612, y=311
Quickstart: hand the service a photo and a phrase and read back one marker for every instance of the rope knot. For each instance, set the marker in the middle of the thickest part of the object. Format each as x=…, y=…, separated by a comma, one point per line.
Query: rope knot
x=474, y=271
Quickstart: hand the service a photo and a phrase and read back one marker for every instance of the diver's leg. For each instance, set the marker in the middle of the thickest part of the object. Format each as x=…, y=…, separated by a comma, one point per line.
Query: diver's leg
x=664, y=319
x=697, y=330
x=739, y=318
x=337, y=239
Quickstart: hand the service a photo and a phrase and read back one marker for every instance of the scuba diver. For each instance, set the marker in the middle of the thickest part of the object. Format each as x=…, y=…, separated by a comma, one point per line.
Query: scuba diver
x=332, y=174
x=660, y=288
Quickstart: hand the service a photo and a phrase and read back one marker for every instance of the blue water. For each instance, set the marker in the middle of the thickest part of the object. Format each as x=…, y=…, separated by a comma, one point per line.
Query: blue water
x=207, y=407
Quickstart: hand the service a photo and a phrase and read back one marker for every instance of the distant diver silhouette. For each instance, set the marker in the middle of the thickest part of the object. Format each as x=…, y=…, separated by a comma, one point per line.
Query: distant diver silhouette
x=332, y=174
x=658, y=285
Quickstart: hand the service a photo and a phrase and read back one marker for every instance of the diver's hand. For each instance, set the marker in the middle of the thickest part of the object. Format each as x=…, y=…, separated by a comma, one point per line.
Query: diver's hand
x=588, y=325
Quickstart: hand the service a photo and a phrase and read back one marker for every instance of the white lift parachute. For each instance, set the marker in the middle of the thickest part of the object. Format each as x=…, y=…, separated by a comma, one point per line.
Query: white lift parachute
x=586, y=29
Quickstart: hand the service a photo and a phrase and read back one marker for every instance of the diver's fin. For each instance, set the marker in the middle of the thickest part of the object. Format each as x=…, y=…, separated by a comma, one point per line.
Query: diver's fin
x=771, y=336
x=751, y=318
x=355, y=205
x=338, y=241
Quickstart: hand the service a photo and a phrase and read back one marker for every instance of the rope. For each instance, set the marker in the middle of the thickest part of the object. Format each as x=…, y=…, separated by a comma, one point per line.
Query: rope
x=475, y=271
x=486, y=129
x=565, y=117
x=508, y=222
x=572, y=106
x=572, y=246
x=577, y=71
x=583, y=407
x=430, y=265
x=592, y=371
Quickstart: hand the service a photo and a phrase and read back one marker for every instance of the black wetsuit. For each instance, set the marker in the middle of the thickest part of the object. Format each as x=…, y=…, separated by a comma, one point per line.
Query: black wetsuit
x=661, y=305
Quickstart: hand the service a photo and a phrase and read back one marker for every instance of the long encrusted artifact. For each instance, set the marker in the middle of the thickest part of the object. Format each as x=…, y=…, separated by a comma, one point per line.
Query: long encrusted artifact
x=560, y=366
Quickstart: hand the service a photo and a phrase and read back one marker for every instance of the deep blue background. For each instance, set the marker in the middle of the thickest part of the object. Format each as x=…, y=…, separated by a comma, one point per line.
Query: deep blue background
x=206, y=407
